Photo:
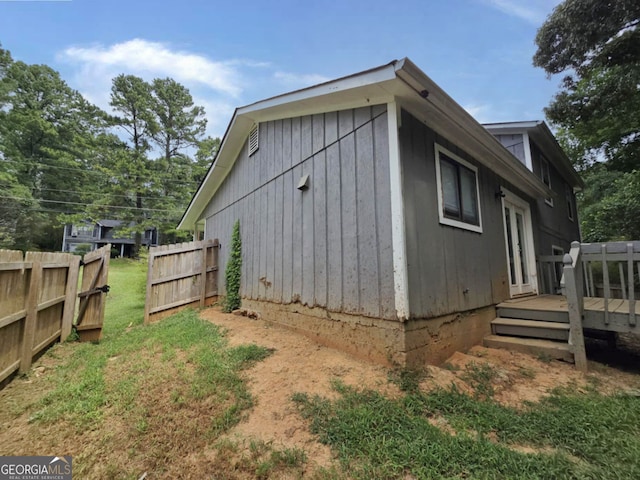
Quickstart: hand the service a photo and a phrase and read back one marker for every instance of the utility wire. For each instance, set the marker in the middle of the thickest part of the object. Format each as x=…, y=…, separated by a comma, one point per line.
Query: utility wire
x=84, y=204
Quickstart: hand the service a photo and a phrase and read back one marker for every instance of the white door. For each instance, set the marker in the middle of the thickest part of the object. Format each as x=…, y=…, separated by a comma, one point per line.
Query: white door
x=519, y=239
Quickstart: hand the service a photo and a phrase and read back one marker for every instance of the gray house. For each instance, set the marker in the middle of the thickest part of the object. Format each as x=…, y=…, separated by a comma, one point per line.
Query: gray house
x=379, y=217
x=102, y=232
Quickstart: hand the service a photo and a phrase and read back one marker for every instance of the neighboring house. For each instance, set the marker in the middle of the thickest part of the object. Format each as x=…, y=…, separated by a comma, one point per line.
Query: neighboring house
x=379, y=217
x=99, y=234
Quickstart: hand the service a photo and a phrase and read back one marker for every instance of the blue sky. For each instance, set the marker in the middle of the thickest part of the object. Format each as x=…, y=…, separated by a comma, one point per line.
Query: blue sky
x=233, y=53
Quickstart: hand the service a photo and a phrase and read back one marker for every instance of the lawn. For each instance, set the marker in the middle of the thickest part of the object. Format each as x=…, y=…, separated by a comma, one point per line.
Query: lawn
x=162, y=399
x=156, y=398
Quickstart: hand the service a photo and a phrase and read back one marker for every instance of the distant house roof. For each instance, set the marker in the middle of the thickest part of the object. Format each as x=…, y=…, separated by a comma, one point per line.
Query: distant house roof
x=398, y=81
x=109, y=223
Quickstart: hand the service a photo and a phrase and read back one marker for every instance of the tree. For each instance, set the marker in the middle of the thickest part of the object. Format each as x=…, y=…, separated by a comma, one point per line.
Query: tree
x=597, y=111
x=131, y=98
x=45, y=129
x=179, y=127
x=598, y=43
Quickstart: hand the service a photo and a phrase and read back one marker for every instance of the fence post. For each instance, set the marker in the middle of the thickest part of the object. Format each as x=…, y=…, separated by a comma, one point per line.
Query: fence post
x=149, y=291
x=70, y=297
x=216, y=269
x=203, y=275
x=573, y=283
x=31, y=317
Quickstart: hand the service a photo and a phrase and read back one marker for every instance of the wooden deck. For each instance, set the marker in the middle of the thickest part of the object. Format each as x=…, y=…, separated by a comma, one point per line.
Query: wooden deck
x=554, y=308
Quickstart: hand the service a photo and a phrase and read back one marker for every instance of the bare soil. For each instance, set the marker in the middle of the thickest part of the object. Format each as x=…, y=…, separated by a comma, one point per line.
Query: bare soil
x=301, y=365
x=177, y=448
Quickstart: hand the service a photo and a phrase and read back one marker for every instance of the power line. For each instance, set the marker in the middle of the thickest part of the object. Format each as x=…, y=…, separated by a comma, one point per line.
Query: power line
x=83, y=204
x=108, y=194
x=87, y=171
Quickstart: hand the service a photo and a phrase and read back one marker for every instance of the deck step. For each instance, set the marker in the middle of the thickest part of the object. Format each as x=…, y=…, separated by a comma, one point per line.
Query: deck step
x=531, y=346
x=511, y=311
x=517, y=327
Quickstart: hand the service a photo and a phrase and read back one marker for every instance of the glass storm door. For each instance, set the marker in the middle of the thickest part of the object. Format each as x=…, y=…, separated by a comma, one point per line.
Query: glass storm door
x=518, y=245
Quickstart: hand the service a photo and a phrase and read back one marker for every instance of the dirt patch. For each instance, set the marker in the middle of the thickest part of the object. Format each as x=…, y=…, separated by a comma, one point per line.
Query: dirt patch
x=297, y=365
x=301, y=365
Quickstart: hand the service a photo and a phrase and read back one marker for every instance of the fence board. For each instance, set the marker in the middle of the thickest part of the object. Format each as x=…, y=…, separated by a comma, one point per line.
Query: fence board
x=35, y=292
x=181, y=275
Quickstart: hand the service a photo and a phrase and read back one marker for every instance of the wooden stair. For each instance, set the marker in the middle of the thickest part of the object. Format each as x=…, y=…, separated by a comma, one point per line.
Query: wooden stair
x=530, y=331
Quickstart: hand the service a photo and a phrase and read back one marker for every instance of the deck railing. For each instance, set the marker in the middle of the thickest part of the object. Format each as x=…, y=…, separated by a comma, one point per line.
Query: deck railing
x=550, y=274
x=572, y=284
x=587, y=272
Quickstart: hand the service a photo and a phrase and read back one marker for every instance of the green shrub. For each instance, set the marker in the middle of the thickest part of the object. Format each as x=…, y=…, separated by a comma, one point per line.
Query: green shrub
x=233, y=271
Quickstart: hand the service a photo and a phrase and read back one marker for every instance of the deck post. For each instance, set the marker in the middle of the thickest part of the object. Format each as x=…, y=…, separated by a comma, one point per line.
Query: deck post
x=631, y=281
x=607, y=285
x=573, y=282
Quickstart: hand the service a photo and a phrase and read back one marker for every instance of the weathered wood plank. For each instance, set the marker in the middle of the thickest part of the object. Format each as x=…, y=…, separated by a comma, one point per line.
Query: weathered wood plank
x=31, y=317
x=366, y=217
x=334, y=228
x=320, y=228
x=348, y=182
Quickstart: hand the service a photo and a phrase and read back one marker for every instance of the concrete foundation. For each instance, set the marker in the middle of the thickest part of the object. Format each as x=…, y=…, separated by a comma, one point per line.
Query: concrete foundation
x=434, y=340
x=388, y=342
x=380, y=341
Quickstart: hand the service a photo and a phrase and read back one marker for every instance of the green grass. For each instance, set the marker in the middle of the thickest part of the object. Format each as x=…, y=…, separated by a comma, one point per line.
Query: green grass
x=576, y=435
x=180, y=367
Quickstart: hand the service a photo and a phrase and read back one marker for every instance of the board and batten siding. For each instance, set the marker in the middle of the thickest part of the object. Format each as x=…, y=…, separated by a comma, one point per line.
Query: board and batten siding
x=450, y=269
x=553, y=228
x=515, y=144
x=329, y=246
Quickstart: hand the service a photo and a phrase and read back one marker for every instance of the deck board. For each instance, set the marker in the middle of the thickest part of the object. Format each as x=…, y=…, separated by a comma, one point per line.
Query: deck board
x=594, y=310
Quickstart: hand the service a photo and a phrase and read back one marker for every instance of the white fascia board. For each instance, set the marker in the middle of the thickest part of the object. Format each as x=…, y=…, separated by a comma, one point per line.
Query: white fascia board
x=479, y=142
x=511, y=127
x=230, y=148
x=371, y=77
x=398, y=229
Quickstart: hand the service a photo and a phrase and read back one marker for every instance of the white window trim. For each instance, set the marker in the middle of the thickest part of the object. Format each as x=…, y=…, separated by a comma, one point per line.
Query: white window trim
x=449, y=221
x=569, y=202
x=545, y=161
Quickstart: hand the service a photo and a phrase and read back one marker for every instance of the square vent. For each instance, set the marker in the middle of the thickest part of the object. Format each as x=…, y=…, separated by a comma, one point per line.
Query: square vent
x=253, y=140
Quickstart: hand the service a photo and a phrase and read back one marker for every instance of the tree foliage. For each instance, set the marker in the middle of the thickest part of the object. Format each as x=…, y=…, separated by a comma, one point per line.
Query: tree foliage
x=63, y=159
x=596, y=44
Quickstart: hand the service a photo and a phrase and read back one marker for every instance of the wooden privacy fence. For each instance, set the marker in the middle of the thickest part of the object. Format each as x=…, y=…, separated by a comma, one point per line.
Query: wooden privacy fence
x=180, y=275
x=38, y=293
x=37, y=299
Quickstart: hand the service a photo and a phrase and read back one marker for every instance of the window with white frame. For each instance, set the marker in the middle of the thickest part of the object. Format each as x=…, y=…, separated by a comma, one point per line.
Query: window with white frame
x=458, y=194
x=569, y=199
x=545, y=175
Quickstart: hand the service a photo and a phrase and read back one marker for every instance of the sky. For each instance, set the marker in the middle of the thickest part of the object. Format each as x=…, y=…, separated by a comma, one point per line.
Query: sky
x=235, y=52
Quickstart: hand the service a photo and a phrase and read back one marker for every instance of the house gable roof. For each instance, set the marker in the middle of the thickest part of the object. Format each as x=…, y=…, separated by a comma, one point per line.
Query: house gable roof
x=539, y=132
x=399, y=81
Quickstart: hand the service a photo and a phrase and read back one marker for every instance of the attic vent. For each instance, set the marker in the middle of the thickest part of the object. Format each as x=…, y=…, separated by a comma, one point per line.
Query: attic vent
x=253, y=140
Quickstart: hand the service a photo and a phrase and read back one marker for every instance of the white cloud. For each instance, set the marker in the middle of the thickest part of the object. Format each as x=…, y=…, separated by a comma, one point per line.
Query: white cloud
x=483, y=113
x=140, y=55
x=296, y=80
x=533, y=12
x=218, y=86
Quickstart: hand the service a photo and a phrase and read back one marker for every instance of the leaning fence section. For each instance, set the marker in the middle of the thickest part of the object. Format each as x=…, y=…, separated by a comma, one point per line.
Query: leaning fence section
x=37, y=303
x=181, y=275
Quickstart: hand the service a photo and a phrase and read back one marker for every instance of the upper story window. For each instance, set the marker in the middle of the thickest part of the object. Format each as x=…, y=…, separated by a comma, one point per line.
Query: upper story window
x=545, y=175
x=253, y=140
x=458, y=194
x=569, y=200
